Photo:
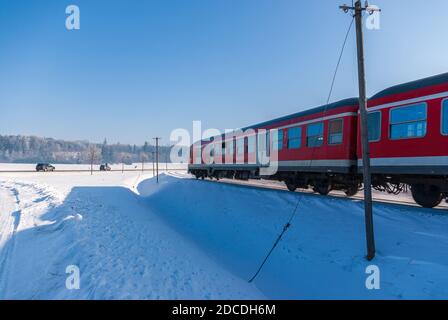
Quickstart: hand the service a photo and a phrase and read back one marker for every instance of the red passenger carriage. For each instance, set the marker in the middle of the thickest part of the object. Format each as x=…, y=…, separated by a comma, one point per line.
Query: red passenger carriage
x=320, y=148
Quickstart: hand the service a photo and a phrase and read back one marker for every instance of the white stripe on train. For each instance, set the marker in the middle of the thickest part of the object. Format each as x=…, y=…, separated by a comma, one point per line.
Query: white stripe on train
x=390, y=161
x=409, y=101
x=408, y=161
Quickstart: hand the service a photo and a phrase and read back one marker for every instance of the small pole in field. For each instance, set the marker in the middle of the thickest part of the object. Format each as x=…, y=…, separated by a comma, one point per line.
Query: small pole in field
x=166, y=162
x=157, y=157
x=358, y=10
x=153, y=165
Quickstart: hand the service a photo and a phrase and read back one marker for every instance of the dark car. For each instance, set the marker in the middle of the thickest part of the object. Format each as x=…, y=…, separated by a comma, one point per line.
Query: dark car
x=44, y=167
x=104, y=167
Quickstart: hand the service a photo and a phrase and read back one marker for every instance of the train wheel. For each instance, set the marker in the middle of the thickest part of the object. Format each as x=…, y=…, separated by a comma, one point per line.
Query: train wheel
x=322, y=188
x=428, y=196
x=351, y=190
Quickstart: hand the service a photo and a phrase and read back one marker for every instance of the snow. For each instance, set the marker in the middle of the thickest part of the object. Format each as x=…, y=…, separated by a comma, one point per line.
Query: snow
x=123, y=250
x=187, y=239
x=114, y=166
x=322, y=254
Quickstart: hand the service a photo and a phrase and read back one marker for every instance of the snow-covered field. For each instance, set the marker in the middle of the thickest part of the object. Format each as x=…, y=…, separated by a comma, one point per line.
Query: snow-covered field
x=132, y=238
x=114, y=166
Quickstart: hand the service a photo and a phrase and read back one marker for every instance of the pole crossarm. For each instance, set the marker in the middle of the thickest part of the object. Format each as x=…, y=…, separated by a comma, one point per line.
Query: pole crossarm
x=369, y=9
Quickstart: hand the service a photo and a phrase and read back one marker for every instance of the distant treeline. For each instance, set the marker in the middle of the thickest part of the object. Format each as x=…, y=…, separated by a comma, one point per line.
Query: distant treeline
x=31, y=149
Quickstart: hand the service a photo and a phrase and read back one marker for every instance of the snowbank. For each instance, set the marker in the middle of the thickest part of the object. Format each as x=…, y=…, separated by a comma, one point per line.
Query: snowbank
x=322, y=254
x=122, y=249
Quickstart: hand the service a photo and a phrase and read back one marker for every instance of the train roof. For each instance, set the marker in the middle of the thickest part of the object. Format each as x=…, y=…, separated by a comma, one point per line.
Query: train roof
x=326, y=107
x=404, y=87
x=413, y=85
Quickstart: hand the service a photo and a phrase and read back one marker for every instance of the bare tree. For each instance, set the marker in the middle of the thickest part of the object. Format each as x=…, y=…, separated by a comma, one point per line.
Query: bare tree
x=143, y=158
x=94, y=154
x=124, y=159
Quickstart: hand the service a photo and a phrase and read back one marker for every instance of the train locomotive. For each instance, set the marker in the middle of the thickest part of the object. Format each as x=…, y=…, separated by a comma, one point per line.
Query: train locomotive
x=320, y=148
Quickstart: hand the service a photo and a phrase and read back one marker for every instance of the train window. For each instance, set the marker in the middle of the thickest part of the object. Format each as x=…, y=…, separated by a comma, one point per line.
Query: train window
x=198, y=155
x=315, y=134
x=277, y=140
x=229, y=147
x=374, y=125
x=445, y=117
x=240, y=146
x=251, y=142
x=294, y=138
x=217, y=149
x=335, y=131
x=408, y=122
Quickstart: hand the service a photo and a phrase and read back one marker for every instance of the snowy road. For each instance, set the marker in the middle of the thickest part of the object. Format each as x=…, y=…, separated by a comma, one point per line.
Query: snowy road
x=134, y=239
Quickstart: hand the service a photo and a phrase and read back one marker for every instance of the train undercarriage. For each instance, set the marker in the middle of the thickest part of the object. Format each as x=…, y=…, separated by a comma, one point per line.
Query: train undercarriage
x=428, y=191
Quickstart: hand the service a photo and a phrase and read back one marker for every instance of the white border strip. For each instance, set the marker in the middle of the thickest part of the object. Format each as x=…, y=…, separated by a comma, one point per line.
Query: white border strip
x=408, y=161
x=297, y=124
x=290, y=163
x=317, y=163
x=409, y=101
x=336, y=116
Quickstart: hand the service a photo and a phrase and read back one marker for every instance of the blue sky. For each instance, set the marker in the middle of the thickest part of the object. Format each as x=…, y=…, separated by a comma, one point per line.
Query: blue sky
x=140, y=68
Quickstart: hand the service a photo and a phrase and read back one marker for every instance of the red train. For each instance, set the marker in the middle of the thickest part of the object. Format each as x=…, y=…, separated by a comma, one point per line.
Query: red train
x=320, y=148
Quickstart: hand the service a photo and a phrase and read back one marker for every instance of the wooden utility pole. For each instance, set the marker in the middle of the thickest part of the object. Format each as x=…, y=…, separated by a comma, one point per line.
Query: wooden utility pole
x=368, y=210
x=153, y=164
x=157, y=157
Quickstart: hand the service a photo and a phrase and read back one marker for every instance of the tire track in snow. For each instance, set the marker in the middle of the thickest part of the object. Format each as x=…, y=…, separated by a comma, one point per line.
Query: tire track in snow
x=11, y=213
x=9, y=229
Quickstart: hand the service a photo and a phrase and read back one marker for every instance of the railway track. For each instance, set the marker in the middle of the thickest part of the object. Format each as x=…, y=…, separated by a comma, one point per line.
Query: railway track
x=377, y=196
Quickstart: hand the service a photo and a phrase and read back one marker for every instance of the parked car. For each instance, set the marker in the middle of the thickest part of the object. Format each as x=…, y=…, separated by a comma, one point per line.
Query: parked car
x=104, y=167
x=44, y=167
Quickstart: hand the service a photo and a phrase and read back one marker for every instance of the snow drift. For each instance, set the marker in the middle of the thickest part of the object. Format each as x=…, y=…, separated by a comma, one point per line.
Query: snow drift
x=322, y=254
x=186, y=239
x=123, y=251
